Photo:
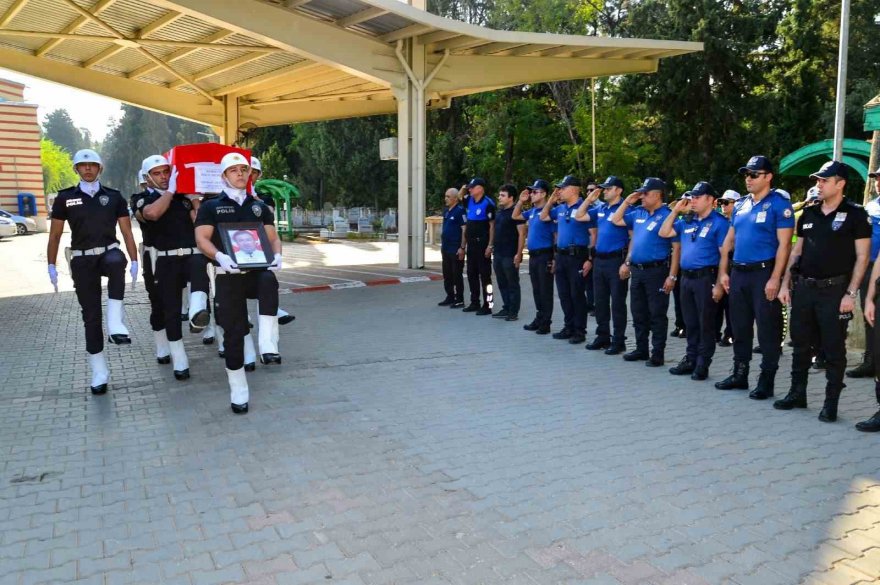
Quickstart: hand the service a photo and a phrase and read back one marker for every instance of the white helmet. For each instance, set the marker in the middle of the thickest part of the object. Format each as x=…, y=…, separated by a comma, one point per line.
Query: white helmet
x=87, y=155
x=255, y=164
x=231, y=159
x=142, y=178
x=151, y=162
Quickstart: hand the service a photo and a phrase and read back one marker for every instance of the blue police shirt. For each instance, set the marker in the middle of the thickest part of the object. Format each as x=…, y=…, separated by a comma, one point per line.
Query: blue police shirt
x=479, y=214
x=611, y=238
x=873, y=209
x=570, y=232
x=701, y=240
x=540, y=232
x=647, y=245
x=450, y=238
x=755, y=225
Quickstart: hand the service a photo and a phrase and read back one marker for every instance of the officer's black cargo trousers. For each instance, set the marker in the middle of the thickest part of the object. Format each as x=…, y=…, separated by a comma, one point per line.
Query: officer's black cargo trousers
x=157, y=313
x=542, y=285
x=479, y=270
x=172, y=274
x=816, y=320
x=86, y=272
x=230, y=303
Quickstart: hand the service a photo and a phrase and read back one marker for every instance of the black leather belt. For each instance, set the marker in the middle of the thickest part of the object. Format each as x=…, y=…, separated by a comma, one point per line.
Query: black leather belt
x=823, y=282
x=753, y=266
x=700, y=272
x=616, y=254
x=540, y=252
x=574, y=251
x=646, y=265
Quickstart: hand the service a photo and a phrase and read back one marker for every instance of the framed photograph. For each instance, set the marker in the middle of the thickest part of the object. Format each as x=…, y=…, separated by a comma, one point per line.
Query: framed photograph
x=247, y=244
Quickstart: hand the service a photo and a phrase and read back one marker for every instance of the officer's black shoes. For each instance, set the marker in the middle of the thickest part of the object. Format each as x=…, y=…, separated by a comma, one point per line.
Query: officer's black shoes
x=181, y=374
x=501, y=314
x=221, y=354
x=598, y=343
x=655, y=361
x=684, y=367
x=239, y=408
x=285, y=319
x=207, y=340
x=635, y=356
x=270, y=358
x=725, y=341
x=456, y=305
x=444, y=303
x=472, y=308
x=829, y=410
x=564, y=333
x=738, y=378
x=757, y=349
x=765, y=387
x=484, y=310
x=250, y=367
x=863, y=370
x=872, y=425
x=119, y=339
x=543, y=330
x=615, y=350
x=796, y=397
x=99, y=390
x=677, y=332
x=819, y=363
x=700, y=373
x=577, y=338
x=201, y=319
x=512, y=317
x=533, y=326
x=184, y=317
x=164, y=360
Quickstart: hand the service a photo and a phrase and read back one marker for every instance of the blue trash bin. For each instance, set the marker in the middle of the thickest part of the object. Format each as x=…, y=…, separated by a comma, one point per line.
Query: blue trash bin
x=27, y=204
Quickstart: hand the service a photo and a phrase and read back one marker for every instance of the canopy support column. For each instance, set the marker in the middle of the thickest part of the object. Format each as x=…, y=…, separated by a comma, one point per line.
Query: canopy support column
x=230, y=120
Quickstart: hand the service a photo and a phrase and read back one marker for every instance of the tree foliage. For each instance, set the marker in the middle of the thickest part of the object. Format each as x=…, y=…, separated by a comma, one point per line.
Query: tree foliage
x=57, y=164
x=60, y=129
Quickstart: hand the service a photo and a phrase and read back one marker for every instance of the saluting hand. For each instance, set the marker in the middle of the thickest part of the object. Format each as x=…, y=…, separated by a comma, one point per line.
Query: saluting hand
x=524, y=196
x=869, y=312
x=681, y=205
x=633, y=197
x=594, y=194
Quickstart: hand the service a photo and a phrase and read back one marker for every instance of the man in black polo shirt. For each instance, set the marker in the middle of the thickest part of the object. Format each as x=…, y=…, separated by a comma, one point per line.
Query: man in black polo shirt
x=93, y=212
x=510, y=239
x=826, y=268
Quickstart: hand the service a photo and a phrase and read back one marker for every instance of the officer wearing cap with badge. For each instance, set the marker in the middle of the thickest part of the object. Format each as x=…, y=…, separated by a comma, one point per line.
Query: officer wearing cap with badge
x=724, y=332
x=653, y=263
x=760, y=238
x=609, y=287
x=701, y=240
x=236, y=205
x=175, y=257
x=823, y=293
x=872, y=425
x=479, y=237
x=540, y=240
x=452, y=250
x=93, y=212
x=866, y=368
x=574, y=260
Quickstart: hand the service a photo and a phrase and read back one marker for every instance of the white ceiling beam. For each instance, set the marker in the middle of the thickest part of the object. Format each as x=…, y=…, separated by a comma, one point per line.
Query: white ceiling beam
x=220, y=68
x=304, y=82
x=493, y=48
x=268, y=80
x=324, y=97
x=98, y=8
x=177, y=55
x=315, y=110
x=437, y=36
x=102, y=56
x=12, y=12
x=159, y=24
x=462, y=42
x=359, y=17
x=405, y=33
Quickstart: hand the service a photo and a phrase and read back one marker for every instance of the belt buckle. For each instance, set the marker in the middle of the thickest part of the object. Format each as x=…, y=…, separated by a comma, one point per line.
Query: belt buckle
x=180, y=251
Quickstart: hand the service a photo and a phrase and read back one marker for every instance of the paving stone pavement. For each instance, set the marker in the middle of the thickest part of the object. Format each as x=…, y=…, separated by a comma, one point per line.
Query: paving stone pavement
x=401, y=443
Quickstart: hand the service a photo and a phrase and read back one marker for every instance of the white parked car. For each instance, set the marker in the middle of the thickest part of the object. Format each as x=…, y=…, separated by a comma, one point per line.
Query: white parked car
x=23, y=224
x=7, y=227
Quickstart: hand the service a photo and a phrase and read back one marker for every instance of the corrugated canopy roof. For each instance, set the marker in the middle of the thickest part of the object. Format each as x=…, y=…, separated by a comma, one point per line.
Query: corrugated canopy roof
x=289, y=60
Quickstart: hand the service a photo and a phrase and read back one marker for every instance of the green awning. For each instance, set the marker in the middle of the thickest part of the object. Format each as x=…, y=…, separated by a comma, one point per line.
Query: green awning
x=808, y=159
x=872, y=118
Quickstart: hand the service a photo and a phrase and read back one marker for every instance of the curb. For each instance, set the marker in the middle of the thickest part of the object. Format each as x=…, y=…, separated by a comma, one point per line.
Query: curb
x=362, y=284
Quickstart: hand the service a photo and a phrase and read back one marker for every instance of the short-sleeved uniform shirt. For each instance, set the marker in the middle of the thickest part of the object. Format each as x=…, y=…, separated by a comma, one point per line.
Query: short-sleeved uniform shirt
x=829, y=240
x=136, y=203
x=755, y=226
x=647, y=245
x=92, y=218
x=540, y=232
x=479, y=214
x=450, y=237
x=570, y=232
x=175, y=228
x=701, y=240
x=506, y=233
x=610, y=237
x=873, y=209
x=224, y=209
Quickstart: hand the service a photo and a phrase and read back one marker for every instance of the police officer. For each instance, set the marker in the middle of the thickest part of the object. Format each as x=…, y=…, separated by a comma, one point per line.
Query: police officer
x=724, y=333
x=760, y=238
x=574, y=259
x=452, y=250
x=235, y=205
x=157, y=314
x=872, y=425
x=93, y=212
x=540, y=240
x=610, y=289
x=824, y=292
x=653, y=266
x=866, y=368
x=177, y=259
x=701, y=240
x=479, y=237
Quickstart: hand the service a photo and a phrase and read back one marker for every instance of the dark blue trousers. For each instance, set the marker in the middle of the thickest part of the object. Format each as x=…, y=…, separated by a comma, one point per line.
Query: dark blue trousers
x=571, y=286
x=542, y=286
x=507, y=276
x=748, y=306
x=649, y=305
x=699, y=310
x=610, y=293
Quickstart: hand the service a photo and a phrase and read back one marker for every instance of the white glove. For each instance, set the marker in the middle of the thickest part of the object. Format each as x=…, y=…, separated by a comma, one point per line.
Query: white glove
x=53, y=276
x=133, y=270
x=172, y=182
x=276, y=263
x=226, y=263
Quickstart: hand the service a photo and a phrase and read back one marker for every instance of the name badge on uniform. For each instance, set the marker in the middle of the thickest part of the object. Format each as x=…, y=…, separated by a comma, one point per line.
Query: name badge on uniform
x=601, y=214
x=690, y=230
x=761, y=217
x=72, y=202
x=838, y=221
x=225, y=210
x=641, y=220
x=808, y=226
x=651, y=226
x=705, y=231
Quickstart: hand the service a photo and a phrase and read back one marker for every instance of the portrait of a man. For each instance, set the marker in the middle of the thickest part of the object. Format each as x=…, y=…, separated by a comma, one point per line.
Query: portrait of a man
x=247, y=244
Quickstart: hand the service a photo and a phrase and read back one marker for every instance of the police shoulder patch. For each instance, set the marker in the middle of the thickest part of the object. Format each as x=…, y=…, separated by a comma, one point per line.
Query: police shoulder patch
x=787, y=212
x=104, y=200
x=140, y=202
x=258, y=211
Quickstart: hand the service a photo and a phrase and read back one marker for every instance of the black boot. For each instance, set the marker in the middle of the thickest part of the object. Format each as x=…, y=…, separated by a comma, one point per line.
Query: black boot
x=872, y=425
x=599, y=343
x=796, y=397
x=564, y=333
x=533, y=326
x=701, y=372
x=738, y=378
x=656, y=360
x=635, y=355
x=829, y=410
x=864, y=369
x=764, y=388
x=446, y=302
x=685, y=366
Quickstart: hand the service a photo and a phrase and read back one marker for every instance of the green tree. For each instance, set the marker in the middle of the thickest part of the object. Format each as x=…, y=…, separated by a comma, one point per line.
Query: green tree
x=57, y=165
x=274, y=163
x=60, y=129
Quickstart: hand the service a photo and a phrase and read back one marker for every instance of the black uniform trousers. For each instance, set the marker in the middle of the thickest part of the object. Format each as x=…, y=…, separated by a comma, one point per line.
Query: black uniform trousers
x=590, y=291
x=863, y=294
x=453, y=276
x=171, y=273
x=230, y=301
x=699, y=310
x=649, y=306
x=610, y=292
x=86, y=272
x=749, y=306
x=157, y=313
x=507, y=275
x=816, y=321
x=571, y=287
x=722, y=318
x=541, y=275
x=479, y=270
x=676, y=302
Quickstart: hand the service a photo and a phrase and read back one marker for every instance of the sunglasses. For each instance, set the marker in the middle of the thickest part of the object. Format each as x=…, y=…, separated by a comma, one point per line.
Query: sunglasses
x=726, y=202
x=754, y=175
